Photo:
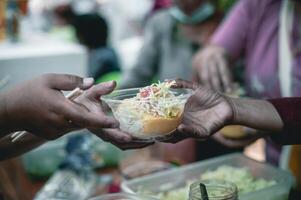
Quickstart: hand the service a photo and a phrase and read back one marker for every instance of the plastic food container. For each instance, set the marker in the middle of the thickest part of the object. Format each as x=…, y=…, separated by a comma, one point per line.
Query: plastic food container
x=178, y=178
x=143, y=168
x=145, y=126
x=122, y=196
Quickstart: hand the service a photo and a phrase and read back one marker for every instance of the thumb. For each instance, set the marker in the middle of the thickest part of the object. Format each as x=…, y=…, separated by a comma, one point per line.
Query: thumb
x=68, y=82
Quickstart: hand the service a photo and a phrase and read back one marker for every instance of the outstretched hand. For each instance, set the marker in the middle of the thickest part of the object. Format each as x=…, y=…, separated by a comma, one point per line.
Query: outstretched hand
x=205, y=113
x=39, y=107
x=90, y=100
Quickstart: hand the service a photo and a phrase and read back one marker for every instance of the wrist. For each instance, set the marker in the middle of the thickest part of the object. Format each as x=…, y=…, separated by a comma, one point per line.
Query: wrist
x=258, y=114
x=240, y=111
x=232, y=112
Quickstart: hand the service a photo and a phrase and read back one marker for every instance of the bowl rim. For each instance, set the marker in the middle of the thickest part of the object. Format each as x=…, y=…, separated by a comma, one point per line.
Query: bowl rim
x=108, y=97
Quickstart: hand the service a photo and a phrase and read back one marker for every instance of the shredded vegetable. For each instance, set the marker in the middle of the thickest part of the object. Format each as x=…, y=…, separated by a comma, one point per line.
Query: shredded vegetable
x=157, y=100
x=241, y=177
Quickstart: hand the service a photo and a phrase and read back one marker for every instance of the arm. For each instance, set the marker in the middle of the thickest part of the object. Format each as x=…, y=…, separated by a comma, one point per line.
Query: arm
x=206, y=112
x=258, y=114
x=10, y=149
x=280, y=116
x=39, y=107
x=145, y=68
x=289, y=110
x=4, y=129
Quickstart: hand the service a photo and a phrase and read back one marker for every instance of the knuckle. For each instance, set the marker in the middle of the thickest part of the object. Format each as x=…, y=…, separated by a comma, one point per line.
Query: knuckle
x=74, y=79
x=46, y=78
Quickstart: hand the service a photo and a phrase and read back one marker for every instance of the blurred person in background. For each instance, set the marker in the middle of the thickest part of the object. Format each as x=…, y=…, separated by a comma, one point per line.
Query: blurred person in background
x=92, y=31
x=267, y=34
x=171, y=39
x=161, y=4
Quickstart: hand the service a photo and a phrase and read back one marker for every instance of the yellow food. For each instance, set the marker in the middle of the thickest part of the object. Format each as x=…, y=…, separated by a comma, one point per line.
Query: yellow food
x=234, y=132
x=160, y=125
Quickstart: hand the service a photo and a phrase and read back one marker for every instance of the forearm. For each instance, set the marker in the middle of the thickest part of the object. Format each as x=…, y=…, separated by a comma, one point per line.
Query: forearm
x=9, y=149
x=258, y=114
x=4, y=127
x=7, y=123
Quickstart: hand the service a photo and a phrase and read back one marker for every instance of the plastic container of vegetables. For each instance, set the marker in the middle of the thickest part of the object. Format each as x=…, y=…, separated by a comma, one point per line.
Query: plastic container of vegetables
x=122, y=196
x=149, y=113
x=277, y=182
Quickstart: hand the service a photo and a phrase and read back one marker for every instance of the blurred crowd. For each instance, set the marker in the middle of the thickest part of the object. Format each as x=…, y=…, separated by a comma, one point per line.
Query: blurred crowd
x=255, y=44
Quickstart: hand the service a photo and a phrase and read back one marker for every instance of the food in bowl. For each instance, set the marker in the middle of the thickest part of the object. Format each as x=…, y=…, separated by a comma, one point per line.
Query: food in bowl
x=234, y=132
x=151, y=111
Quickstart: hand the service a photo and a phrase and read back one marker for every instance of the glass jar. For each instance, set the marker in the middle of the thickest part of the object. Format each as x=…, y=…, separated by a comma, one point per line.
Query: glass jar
x=216, y=190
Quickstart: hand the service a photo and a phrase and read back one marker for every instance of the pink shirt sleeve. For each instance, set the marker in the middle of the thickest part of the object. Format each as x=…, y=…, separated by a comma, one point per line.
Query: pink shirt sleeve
x=232, y=33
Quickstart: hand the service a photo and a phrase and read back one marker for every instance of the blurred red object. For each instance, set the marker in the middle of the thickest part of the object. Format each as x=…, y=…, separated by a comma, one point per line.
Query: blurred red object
x=160, y=4
x=23, y=6
x=114, y=188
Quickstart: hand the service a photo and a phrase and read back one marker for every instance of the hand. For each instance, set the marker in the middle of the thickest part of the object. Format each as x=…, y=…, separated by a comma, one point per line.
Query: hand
x=90, y=99
x=120, y=139
x=39, y=107
x=212, y=68
x=205, y=113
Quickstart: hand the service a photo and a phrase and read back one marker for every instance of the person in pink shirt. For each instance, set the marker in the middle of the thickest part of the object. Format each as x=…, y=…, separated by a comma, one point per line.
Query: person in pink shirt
x=159, y=4
x=267, y=35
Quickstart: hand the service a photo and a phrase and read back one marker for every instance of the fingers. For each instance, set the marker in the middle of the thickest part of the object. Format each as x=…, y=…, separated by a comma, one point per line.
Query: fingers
x=120, y=139
x=205, y=75
x=82, y=117
x=180, y=83
x=214, y=75
x=112, y=135
x=200, y=64
x=194, y=131
x=129, y=146
x=67, y=82
x=177, y=136
x=100, y=89
x=225, y=74
x=86, y=112
x=212, y=68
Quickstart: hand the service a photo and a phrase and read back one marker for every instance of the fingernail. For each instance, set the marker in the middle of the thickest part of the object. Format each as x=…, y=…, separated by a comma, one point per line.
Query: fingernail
x=109, y=83
x=87, y=82
x=181, y=128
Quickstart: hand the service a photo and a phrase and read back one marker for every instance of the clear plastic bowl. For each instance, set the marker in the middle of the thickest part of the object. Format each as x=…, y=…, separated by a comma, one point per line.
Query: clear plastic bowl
x=122, y=196
x=145, y=127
